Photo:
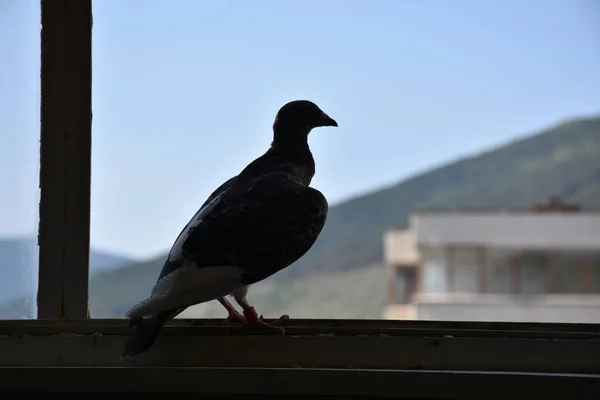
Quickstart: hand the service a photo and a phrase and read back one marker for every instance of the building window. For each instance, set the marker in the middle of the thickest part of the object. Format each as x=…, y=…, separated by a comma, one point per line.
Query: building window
x=434, y=266
x=534, y=273
x=498, y=271
x=466, y=269
x=405, y=284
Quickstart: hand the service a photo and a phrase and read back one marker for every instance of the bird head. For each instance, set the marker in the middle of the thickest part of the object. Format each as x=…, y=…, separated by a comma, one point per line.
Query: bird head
x=296, y=119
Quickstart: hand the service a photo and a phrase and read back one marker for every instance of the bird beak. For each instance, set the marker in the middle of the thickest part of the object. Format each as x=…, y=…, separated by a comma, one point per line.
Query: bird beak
x=326, y=120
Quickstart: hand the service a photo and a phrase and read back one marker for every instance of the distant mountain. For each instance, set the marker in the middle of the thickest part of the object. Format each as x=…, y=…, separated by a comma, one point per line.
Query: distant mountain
x=563, y=161
x=19, y=268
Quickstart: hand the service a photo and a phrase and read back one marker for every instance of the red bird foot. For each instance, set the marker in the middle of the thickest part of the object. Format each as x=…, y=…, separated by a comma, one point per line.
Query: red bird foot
x=256, y=325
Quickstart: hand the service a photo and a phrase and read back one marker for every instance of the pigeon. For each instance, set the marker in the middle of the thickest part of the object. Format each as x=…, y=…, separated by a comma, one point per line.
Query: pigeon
x=252, y=226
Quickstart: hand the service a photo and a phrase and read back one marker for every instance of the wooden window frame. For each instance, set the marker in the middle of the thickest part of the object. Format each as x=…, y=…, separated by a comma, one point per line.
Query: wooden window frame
x=65, y=158
x=65, y=351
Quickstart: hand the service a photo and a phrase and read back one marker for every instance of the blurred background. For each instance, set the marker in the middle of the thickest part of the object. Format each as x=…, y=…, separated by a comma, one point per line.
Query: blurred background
x=464, y=177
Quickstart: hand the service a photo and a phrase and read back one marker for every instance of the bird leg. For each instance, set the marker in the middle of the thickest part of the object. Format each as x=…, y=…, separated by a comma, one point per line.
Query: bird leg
x=254, y=323
x=234, y=315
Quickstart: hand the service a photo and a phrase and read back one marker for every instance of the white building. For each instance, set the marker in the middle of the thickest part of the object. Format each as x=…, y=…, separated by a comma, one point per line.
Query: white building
x=495, y=266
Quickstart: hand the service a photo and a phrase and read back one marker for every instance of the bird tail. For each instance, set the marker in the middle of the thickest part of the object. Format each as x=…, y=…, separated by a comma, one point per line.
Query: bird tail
x=145, y=332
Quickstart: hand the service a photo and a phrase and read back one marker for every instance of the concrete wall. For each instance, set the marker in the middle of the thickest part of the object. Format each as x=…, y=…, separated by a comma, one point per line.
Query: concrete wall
x=552, y=308
x=399, y=247
x=510, y=230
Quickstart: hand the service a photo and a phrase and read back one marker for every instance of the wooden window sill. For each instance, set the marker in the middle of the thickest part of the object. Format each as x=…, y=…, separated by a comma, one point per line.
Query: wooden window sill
x=429, y=359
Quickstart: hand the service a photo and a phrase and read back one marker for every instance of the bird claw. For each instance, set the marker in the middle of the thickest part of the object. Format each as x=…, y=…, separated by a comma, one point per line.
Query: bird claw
x=259, y=326
x=235, y=318
x=279, y=321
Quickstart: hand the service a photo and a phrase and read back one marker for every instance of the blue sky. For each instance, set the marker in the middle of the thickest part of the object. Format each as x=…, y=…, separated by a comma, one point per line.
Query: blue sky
x=185, y=93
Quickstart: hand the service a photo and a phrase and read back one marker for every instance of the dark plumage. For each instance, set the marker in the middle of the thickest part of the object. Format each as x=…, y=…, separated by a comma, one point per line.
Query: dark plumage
x=254, y=225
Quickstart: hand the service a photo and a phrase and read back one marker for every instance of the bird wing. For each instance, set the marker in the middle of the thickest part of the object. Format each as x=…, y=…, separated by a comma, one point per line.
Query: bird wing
x=175, y=257
x=261, y=226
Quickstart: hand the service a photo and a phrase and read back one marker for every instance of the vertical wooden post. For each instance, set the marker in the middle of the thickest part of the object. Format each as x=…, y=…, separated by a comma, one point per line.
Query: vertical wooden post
x=418, y=288
x=411, y=284
x=392, y=283
x=516, y=270
x=482, y=269
x=551, y=273
x=450, y=269
x=587, y=273
x=65, y=152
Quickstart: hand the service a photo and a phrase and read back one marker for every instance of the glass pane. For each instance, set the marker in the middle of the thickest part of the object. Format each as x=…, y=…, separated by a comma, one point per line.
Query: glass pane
x=454, y=125
x=406, y=280
x=434, y=270
x=534, y=273
x=466, y=271
x=498, y=271
x=592, y=273
x=572, y=272
x=19, y=156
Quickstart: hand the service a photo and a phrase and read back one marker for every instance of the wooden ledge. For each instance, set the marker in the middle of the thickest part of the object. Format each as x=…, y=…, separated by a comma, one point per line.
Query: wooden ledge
x=398, y=345
x=308, y=327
